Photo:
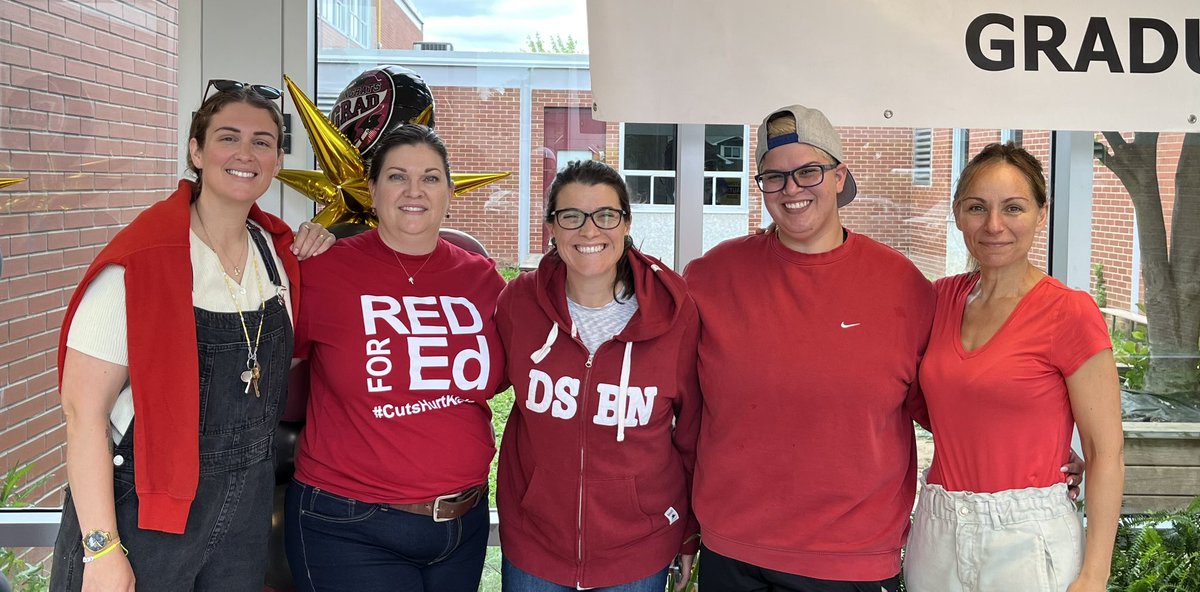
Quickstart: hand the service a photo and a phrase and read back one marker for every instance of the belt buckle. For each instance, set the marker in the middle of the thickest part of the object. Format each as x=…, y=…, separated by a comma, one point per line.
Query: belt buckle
x=437, y=504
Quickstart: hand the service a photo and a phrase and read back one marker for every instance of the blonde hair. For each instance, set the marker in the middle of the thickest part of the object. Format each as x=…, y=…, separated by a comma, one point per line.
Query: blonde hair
x=784, y=123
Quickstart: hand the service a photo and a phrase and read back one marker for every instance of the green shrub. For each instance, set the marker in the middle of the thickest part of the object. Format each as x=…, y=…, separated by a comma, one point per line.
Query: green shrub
x=23, y=576
x=1158, y=552
x=1100, y=292
x=1132, y=353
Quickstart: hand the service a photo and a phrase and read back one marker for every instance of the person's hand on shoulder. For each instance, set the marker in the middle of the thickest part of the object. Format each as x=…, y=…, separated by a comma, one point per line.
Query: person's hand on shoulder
x=311, y=239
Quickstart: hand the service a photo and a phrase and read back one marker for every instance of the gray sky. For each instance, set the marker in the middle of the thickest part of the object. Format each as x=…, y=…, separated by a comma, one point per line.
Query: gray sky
x=501, y=25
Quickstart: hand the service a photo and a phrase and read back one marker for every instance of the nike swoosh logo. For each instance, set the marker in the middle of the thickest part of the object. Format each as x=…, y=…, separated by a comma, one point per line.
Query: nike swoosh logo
x=846, y=325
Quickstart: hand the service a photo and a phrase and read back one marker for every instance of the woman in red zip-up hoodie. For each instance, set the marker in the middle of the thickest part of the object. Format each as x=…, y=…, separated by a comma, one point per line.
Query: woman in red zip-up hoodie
x=599, y=331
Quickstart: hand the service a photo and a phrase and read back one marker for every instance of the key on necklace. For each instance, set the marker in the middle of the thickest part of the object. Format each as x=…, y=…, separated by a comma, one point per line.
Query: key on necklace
x=250, y=377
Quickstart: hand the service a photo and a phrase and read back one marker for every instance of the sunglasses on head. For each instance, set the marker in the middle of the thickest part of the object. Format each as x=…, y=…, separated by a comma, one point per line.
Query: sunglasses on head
x=222, y=85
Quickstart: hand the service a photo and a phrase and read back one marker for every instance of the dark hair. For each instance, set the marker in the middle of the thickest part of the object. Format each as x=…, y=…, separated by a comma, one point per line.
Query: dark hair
x=594, y=172
x=1010, y=154
x=409, y=134
x=213, y=105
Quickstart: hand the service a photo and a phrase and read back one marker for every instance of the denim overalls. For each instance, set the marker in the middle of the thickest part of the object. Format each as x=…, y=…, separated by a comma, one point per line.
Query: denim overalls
x=224, y=546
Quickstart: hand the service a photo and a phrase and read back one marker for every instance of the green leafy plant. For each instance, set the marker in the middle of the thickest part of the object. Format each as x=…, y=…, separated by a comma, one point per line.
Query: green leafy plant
x=1132, y=353
x=501, y=406
x=509, y=272
x=23, y=576
x=1158, y=552
x=1100, y=292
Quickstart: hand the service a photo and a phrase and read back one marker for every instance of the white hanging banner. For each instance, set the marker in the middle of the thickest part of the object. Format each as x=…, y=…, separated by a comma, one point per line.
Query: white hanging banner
x=1025, y=64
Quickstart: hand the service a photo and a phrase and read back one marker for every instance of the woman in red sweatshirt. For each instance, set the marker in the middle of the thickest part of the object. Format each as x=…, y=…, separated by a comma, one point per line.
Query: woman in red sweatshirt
x=596, y=461
x=173, y=361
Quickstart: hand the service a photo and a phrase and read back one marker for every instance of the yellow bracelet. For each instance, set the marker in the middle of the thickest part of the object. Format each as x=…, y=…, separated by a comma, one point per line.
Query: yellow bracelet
x=105, y=551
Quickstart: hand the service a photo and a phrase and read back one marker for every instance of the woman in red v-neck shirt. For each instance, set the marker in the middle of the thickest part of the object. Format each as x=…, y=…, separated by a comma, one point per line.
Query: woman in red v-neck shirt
x=1015, y=361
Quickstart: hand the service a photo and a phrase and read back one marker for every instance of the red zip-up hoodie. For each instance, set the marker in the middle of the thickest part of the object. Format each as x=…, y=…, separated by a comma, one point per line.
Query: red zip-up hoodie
x=583, y=503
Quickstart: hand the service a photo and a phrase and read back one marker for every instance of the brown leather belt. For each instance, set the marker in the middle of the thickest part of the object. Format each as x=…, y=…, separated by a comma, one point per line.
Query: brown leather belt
x=447, y=507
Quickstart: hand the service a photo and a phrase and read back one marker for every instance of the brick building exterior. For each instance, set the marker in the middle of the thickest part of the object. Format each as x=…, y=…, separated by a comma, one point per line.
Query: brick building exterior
x=380, y=24
x=88, y=116
x=482, y=136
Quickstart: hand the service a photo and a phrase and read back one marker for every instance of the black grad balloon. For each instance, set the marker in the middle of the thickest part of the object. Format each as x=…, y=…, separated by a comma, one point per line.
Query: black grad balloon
x=378, y=100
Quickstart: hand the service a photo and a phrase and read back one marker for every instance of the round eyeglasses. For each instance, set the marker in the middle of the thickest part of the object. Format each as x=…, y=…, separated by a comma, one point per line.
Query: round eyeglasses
x=573, y=218
x=808, y=175
x=222, y=85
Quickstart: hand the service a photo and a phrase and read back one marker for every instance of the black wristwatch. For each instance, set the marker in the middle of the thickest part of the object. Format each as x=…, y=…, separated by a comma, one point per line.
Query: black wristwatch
x=96, y=540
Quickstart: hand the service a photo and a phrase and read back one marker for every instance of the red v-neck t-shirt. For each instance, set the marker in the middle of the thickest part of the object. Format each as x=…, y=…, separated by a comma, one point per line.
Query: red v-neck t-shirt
x=1000, y=413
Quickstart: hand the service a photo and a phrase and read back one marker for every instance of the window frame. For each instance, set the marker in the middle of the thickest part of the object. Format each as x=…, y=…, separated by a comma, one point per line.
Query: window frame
x=710, y=178
x=351, y=18
x=922, y=157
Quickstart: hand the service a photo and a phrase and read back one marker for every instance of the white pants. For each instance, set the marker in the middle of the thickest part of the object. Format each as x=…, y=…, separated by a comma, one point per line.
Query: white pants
x=1027, y=540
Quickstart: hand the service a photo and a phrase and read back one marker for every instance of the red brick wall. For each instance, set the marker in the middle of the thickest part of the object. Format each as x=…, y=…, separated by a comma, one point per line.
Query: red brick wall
x=89, y=118
x=889, y=208
x=331, y=38
x=481, y=127
x=396, y=30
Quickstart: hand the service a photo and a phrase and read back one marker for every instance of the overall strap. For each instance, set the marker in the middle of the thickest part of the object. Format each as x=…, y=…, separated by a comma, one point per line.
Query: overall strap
x=261, y=242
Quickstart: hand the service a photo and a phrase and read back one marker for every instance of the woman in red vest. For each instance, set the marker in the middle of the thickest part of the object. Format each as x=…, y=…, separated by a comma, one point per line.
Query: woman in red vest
x=173, y=362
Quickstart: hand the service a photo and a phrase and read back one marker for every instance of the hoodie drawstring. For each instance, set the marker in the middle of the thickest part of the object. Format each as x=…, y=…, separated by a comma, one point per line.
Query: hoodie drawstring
x=544, y=351
x=623, y=392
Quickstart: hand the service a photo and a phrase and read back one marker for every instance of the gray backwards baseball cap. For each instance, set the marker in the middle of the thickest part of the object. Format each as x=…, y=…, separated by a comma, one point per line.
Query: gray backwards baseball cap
x=814, y=129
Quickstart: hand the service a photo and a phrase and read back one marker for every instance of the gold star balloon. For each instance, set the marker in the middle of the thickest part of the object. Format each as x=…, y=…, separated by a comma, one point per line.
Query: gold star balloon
x=375, y=102
x=6, y=182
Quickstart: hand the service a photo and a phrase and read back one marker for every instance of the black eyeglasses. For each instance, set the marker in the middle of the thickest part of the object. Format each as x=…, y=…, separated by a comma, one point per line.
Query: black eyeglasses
x=808, y=175
x=573, y=218
x=267, y=92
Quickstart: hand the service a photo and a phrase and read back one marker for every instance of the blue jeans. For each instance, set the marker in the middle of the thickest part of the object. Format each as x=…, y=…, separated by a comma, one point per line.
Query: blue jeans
x=513, y=579
x=337, y=543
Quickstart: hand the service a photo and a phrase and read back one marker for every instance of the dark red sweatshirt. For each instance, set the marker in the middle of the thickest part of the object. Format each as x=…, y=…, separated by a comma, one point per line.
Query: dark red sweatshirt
x=577, y=506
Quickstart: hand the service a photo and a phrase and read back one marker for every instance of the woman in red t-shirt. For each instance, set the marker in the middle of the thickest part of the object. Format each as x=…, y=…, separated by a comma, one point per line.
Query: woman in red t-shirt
x=1015, y=361
x=390, y=490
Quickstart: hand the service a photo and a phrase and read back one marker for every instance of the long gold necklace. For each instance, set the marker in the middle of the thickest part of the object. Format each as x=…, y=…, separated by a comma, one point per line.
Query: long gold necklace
x=253, y=371
x=237, y=271
x=412, y=275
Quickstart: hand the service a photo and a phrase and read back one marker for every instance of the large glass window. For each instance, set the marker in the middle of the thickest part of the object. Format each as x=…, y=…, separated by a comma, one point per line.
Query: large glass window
x=350, y=18
x=649, y=163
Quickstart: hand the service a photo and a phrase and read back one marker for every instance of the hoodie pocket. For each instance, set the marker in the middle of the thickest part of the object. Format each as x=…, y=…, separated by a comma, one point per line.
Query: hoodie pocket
x=613, y=515
x=549, y=511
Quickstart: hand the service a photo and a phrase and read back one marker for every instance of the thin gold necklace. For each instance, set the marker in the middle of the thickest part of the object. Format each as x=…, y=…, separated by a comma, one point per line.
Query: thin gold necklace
x=253, y=371
x=237, y=271
x=412, y=275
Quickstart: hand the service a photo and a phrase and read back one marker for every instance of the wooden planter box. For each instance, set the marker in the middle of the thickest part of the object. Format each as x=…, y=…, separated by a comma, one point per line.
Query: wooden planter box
x=1162, y=466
